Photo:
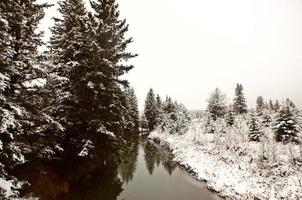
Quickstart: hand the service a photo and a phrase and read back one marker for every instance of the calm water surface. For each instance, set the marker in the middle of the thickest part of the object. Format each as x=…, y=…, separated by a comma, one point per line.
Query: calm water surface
x=146, y=172
x=157, y=178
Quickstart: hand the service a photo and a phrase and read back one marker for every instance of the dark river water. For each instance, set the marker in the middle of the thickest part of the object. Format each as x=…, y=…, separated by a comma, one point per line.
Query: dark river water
x=146, y=172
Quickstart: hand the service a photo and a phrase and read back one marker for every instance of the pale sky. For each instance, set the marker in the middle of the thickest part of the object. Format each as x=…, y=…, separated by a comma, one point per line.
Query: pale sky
x=188, y=48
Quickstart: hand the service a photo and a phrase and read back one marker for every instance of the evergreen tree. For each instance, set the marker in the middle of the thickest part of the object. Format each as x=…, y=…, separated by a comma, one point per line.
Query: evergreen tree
x=131, y=114
x=217, y=104
x=239, y=104
x=159, y=106
x=266, y=118
x=168, y=105
x=230, y=118
x=260, y=105
x=286, y=126
x=107, y=63
x=151, y=110
x=159, y=102
x=270, y=105
x=144, y=123
x=22, y=120
x=69, y=52
x=290, y=103
x=276, y=106
x=175, y=120
x=67, y=39
x=89, y=56
x=18, y=71
x=255, y=133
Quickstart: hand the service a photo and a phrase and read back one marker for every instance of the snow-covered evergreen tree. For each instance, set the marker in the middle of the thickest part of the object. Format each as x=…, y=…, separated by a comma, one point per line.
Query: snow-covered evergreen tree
x=217, y=104
x=131, y=114
x=260, y=105
x=151, y=110
x=270, y=105
x=89, y=53
x=159, y=102
x=107, y=64
x=255, y=133
x=175, y=121
x=229, y=118
x=276, y=106
x=239, y=104
x=266, y=117
x=286, y=125
x=159, y=105
x=67, y=39
x=168, y=105
x=22, y=118
x=144, y=123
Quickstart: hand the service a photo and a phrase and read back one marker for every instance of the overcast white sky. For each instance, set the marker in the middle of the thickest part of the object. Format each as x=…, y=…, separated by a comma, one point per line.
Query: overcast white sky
x=188, y=48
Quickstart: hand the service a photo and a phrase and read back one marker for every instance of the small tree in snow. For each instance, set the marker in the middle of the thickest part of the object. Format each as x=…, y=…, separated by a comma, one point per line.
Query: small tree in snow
x=217, y=104
x=260, y=105
x=176, y=121
x=255, y=133
x=151, y=110
x=286, y=126
x=266, y=118
x=229, y=118
x=239, y=105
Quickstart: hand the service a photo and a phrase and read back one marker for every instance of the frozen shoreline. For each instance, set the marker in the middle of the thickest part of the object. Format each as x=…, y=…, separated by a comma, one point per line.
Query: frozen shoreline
x=231, y=174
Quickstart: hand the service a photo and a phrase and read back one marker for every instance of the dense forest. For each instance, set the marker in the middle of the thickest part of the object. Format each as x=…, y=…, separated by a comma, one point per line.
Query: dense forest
x=69, y=101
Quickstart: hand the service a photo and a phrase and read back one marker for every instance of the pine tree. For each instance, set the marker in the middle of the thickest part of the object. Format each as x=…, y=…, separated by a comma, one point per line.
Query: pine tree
x=168, y=105
x=290, y=103
x=67, y=33
x=266, y=118
x=131, y=114
x=239, y=104
x=144, y=123
x=89, y=56
x=276, y=106
x=255, y=133
x=107, y=63
x=286, y=126
x=134, y=109
x=19, y=41
x=175, y=118
x=151, y=110
x=259, y=105
x=70, y=55
x=22, y=121
x=270, y=105
x=230, y=118
x=217, y=104
x=159, y=102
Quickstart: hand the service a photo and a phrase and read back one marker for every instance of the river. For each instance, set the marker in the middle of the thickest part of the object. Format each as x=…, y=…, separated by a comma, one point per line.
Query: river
x=145, y=172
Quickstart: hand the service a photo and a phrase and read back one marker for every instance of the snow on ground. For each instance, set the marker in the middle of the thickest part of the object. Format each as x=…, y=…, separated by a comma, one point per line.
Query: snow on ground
x=236, y=168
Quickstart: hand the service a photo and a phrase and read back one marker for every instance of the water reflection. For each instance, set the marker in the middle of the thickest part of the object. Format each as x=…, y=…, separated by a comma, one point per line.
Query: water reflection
x=128, y=163
x=70, y=181
x=154, y=156
x=144, y=171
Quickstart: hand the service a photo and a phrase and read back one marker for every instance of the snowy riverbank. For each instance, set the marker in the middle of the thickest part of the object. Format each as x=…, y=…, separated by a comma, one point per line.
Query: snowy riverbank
x=236, y=168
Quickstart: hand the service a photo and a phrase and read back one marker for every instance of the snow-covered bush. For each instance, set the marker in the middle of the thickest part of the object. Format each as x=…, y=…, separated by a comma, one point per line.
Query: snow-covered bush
x=175, y=122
